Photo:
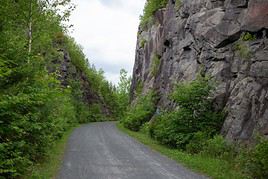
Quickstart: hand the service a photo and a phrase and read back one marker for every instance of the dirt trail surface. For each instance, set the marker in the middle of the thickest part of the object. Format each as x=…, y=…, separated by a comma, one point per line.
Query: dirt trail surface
x=100, y=151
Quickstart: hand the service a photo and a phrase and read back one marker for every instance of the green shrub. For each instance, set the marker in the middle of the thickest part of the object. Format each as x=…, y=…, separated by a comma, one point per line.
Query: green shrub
x=248, y=37
x=140, y=113
x=218, y=147
x=95, y=113
x=254, y=161
x=145, y=128
x=150, y=8
x=197, y=143
x=172, y=128
x=241, y=45
x=243, y=50
x=31, y=120
x=195, y=113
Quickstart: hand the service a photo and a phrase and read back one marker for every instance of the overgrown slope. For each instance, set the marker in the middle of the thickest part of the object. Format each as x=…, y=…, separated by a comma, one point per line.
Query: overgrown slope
x=46, y=83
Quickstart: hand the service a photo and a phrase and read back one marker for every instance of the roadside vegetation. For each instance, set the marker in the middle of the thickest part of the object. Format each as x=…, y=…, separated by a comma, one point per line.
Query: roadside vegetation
x=38, y=106
x=50, y=165
x=190, y=133
x=215, y=168
x=139, y=113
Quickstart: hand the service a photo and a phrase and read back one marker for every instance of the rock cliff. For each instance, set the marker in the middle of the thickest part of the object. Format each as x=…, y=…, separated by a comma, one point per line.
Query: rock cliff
x=69, y=72
x=227, y=39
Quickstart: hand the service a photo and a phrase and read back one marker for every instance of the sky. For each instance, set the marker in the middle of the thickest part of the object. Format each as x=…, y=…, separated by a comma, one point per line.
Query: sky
x=107, y=31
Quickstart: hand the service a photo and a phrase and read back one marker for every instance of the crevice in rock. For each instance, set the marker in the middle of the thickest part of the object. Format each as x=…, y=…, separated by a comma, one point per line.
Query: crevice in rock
x=231, y=39
x=168, y=43
x=265, y=106
x=234, y=75
x=244, y=6
x=187, y=48
x=259, y=34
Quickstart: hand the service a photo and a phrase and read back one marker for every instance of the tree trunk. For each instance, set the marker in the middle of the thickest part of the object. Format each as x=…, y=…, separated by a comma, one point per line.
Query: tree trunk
x=30, y=37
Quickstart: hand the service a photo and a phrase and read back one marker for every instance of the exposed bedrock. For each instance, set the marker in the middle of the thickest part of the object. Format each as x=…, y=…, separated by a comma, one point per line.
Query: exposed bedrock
x=227, y=39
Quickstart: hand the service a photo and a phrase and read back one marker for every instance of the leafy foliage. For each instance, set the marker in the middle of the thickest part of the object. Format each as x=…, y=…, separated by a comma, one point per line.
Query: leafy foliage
x=248, y=36
x=242, y=47
x=254, y=161
x=139, y=113
x=243, y=50
x=122, y=93
x=218, y=147
x=197, y=143
x=195, y=113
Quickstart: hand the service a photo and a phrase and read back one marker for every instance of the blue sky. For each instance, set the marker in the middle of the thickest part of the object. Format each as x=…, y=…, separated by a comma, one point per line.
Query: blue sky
x=107, y=30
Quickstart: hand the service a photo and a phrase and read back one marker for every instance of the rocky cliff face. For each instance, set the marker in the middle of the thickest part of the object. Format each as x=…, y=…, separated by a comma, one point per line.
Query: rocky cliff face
x=69, y=72
x=227, y=39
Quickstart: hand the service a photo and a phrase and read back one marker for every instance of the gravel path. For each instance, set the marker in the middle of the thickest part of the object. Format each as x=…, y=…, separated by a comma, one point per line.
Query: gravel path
x=100, y=151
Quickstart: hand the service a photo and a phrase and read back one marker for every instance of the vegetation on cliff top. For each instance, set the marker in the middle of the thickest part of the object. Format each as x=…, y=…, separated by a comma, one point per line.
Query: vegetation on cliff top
x=149, y=10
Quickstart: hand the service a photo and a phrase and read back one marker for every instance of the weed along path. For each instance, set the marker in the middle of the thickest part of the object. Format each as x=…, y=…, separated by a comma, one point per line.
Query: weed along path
x=100, y=151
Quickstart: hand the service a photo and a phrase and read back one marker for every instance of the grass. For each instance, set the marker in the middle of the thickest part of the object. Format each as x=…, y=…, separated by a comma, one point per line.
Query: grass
x=215, y=168
x=48, y=168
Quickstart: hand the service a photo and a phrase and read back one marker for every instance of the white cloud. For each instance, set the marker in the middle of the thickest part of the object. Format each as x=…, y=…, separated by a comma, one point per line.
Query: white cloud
x=107, y=31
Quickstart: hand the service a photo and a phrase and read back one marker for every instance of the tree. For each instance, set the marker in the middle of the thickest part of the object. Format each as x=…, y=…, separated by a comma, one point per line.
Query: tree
x=123, y=90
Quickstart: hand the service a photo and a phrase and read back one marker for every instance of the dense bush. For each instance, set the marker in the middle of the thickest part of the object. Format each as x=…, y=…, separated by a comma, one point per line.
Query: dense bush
x=33, y=114
x=145, y=128
x=195, y=113
x=139, y=113
x=218, y=147
x=95, y=113
x=170, y=128
x=254, y=160
x=197, y=143
x=150, y=8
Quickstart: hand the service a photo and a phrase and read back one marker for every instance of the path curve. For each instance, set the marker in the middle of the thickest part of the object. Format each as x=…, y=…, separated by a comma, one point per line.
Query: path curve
x=100, y=151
